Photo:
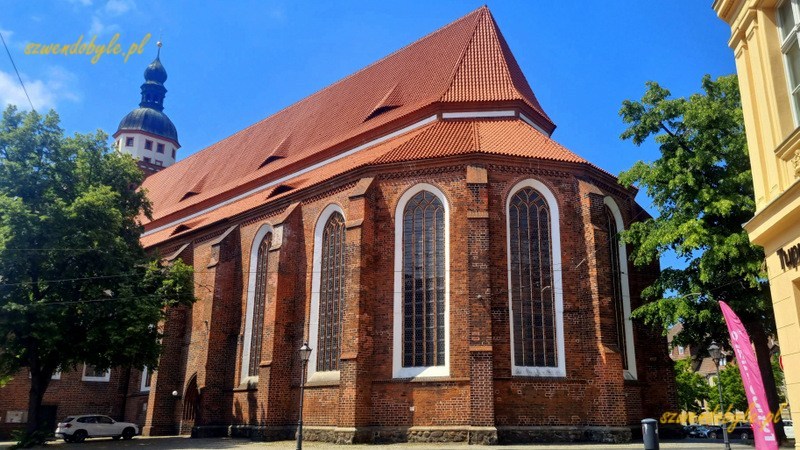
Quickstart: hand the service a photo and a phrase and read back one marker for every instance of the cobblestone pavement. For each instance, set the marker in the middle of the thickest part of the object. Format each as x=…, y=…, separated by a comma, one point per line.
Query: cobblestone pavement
x=185, y=443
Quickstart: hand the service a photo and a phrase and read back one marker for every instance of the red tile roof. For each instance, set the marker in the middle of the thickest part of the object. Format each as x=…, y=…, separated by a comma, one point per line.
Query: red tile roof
x=507, y=136
x=467, y=62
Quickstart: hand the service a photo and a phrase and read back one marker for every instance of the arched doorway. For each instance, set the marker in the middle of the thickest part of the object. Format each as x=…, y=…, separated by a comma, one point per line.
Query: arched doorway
x=191, y=403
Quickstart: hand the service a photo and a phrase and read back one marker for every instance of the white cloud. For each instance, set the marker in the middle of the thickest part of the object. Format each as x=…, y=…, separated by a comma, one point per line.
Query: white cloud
x=119, y=7
x=102, y=17
x=7, y=35
x=58, y=85
x=100, y=28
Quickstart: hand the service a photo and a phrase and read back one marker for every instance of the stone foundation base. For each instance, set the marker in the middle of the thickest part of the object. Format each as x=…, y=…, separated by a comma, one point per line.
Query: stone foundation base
x=522, y=435
x=262, y=433
x=388, y=435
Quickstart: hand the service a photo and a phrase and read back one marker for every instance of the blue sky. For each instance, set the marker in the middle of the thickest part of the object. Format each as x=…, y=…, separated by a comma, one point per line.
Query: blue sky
x=231, y=64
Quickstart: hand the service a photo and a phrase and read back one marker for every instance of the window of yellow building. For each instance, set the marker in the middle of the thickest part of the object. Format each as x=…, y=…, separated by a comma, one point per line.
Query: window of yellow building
x=789, y=19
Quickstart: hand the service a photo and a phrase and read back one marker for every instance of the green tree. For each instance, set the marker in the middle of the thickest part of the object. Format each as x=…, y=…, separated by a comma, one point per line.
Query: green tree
x=75, y=283
x=733, y=395
x=702, y=188
x=692, y=387
x=733, y=389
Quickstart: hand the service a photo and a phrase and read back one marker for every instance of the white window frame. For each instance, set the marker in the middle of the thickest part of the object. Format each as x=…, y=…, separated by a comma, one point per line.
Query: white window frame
x=251, y=293
x=142, y=386
x=313, y=321
x=555, y=239
x=398, y=371
x=106, y=376
x=630, y=351
x=792, y=38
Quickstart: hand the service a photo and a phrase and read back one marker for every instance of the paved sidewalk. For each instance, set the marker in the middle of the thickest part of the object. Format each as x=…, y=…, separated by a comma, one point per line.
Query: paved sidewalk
x=185, y=443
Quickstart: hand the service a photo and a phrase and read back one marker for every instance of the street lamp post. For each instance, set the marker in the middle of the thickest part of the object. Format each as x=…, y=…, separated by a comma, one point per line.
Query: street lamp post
x=715, y=352
x=305, y=353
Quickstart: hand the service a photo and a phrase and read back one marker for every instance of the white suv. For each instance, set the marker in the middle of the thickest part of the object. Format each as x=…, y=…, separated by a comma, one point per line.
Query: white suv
x=78, y=428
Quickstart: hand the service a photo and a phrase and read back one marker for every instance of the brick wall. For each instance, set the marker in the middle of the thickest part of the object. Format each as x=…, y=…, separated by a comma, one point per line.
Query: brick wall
x=69, y=395
x=480, y=391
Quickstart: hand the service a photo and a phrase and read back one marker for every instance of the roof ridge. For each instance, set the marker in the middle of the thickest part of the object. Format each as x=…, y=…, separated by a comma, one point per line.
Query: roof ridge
x=375, y=63
x=457, y=66
x=477, y=12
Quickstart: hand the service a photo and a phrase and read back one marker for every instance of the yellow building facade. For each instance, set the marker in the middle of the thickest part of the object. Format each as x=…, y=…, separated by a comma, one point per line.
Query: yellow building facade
x=766, y=46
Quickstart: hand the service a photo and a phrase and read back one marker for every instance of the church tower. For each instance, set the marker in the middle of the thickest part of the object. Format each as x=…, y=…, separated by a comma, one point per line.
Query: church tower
x=146, y=133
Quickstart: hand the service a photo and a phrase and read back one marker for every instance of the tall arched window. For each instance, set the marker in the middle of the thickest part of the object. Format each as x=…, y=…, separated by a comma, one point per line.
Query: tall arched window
x=620, y=291
x=327, y=291
x=421, y=284
x=256, y=302
x=331, y=294
x=534, y=278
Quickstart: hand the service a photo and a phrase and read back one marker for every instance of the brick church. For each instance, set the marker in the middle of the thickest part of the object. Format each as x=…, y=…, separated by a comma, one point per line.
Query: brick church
x=455, y=271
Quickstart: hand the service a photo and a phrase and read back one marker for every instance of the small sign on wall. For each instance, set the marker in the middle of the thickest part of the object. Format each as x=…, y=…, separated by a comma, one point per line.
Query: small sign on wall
x=16, y=416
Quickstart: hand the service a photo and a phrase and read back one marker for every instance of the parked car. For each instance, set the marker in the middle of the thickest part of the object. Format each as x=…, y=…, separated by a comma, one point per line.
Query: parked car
x=78, y=428
x=712, y=432
x=742, y=431
x=672, y=431
x=788, y=428
x=693, y=430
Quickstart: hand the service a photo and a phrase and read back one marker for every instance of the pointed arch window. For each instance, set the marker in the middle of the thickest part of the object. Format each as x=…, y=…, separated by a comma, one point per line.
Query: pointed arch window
x=619, y=288
x=262, y=268
x=256, y=302
x=421, y=324
x=328, y=284
x=534, y=277
x=331, y=293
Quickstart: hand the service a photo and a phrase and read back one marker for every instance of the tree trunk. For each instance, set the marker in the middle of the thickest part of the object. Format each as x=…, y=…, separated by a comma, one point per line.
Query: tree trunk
x=39, y=383
x=761, y=345
x=124, y=386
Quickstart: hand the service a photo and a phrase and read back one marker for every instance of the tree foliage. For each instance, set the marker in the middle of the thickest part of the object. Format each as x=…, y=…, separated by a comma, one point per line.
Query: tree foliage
x=692, y=387
x=733, y=389
x=75, y=283
x=701, y=186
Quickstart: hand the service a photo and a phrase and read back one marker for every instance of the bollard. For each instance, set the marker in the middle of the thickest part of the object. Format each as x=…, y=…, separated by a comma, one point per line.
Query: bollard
x=650, y=434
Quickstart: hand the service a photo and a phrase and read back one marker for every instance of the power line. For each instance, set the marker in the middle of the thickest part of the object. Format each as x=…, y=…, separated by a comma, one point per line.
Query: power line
x=17, y=71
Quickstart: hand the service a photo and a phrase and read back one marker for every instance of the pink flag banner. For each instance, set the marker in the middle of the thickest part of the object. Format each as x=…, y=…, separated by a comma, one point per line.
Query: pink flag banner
x=760, y=415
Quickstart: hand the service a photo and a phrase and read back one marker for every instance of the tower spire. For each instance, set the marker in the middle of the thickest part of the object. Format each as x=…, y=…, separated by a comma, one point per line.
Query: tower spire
x=146, y=133
x=153, y=90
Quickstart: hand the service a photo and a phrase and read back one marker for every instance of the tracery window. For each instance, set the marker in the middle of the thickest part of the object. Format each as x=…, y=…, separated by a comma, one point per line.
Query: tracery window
x=331, y=293
x=620, y=290
x=535, y=298
x=423, y=281
x=421, y=294
x=259, y=302
x=533, y=302
x=258, y=272
x=616, y=285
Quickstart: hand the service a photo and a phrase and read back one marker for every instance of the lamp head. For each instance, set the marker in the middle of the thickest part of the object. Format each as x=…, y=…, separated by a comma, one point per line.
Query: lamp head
x=305, y=352
x=715, y=352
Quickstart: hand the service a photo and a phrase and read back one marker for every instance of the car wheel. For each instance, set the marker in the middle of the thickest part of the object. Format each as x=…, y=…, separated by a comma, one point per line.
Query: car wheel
x=80, y=436
x=116, y=438
x=68, y=440
x=712, y=435
x=745, y=436
x=128, y=433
